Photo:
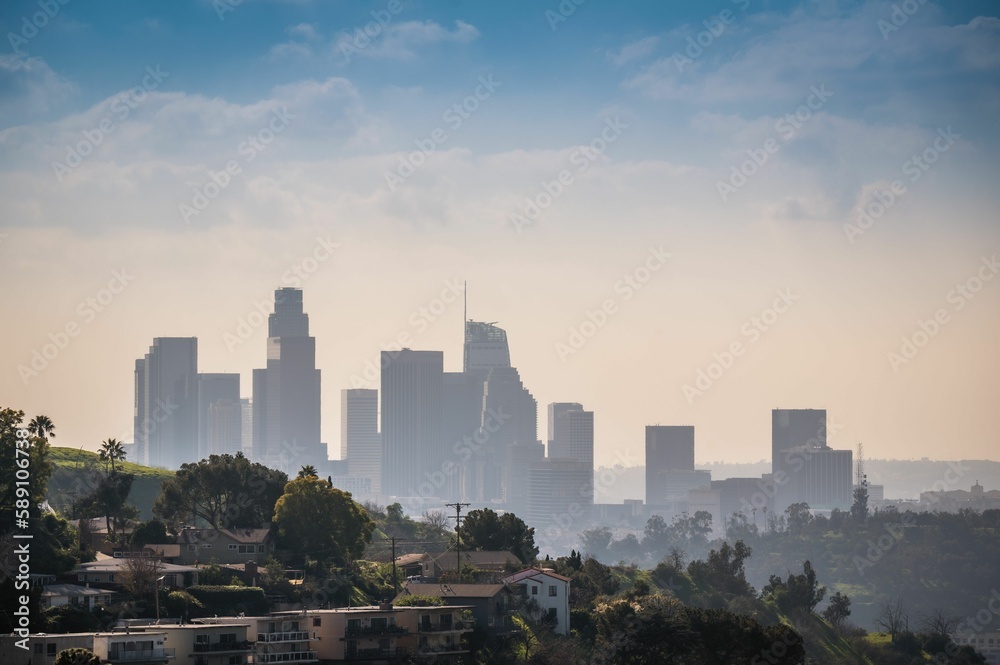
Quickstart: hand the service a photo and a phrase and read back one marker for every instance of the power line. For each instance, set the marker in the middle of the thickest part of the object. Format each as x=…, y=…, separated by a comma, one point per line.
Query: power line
x=458, y=536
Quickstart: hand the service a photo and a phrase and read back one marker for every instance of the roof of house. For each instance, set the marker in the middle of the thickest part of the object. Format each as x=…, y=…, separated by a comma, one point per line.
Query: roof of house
x=476, y=559
x=451, y=590
x=118, y=565
x=252, y=536
x=534, y=573
x=409, y=559
x=168, y=550
x=73, y=590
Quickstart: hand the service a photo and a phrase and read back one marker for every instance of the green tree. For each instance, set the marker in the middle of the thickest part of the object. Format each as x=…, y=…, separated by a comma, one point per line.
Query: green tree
x=76, y=656
x=859, y=509
x=315, y=519
x=223, y=491
x=42, y=427
x=723, y=571
x=798, y=517
x=152, y=532
x=307, y=471
x=112, y=450
x=799, y=593
x=595, y=542
x=484, y=529
x=838, y=610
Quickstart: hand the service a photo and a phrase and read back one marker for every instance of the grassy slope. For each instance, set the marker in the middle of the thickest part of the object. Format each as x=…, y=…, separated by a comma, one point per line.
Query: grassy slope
x=74, y=471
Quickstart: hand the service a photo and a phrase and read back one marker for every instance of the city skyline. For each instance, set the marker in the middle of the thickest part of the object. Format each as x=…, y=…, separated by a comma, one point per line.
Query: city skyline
x=675, y=221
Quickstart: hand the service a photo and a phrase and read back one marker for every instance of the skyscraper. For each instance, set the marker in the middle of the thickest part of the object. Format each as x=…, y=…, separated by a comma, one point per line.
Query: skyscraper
x=669, y=448
x=461, y=421
x=224, y=427
x=794, y=428
x=412, y=442
x=571, y=433
x=286, y=393
x=214, y=388
x=485, y=347
x=804, y=468
x=165, y=424
x=360, y=441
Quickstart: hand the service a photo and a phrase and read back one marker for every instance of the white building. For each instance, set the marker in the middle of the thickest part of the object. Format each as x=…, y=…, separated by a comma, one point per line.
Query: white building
x=86, y=597
x=549, y=590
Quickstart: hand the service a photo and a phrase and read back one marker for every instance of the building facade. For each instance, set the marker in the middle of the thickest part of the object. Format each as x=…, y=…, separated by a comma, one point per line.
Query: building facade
x=360, y=441
x=165, y=419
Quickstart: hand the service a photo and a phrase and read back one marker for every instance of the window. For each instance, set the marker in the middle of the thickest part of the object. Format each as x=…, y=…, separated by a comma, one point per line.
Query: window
x=353, y=624
x=206, y=546
x=50, y=649
x=111, y=578
x=232, y=547
x=379, y=622
x=553, y=590
x=192, y=548
x=260, y=549
x=38, y=648
x=534, y=591
x=316, y=622
x=201, y=639
x=227, y=638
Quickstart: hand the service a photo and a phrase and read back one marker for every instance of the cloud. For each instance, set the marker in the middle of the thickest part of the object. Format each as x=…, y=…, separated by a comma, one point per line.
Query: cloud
x=29, y=88
x=637, y=50
x=401, y=41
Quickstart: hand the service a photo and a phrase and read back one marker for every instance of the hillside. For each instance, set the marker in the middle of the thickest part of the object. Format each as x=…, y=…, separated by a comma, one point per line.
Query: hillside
x=73, y=477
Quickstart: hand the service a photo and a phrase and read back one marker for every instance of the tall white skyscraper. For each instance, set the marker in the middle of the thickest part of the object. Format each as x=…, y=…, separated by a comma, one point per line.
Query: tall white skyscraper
x=212, y=389
x=360, y=441
x=571, y=433
x=286, y=393
x=165, y=420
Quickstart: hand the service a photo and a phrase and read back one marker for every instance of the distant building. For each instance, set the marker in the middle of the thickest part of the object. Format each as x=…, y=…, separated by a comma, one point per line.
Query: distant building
x=165, y=420
x=561, y=493
x=462, y=426
x=521, y=458
x=668, y=448
x=360, y=441
x=205, y=644
x=84, y=597
x=951, y=501
x=556, y=409
x=804, y=468
x=109, y=573
x=246, y=427
x=412, y=443
x=743, y=495
x=707, y=500
x=986, y=642
x=145, y=648
x=222, y=390
x=224, y=545
x=572, y=433
x=490, y=604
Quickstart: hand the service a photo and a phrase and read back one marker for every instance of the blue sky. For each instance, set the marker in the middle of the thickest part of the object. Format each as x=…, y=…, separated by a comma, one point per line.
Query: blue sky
x=337, y=127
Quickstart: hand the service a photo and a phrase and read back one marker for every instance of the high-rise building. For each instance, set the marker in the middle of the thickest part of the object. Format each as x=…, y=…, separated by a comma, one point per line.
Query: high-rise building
x=214, y=388
x=246, y=433
x=560, y=492
x=360, y=441
x=521, y=458
x=412, y=441
x=224, y=430
x=286, y=393
x=165, y=420
x=462, y=422
x=804, y=468
x=669, y=448
x=505, y=400
x=571, y=433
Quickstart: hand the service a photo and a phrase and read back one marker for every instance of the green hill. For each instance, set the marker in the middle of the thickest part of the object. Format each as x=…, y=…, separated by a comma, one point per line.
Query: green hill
x=73, y=477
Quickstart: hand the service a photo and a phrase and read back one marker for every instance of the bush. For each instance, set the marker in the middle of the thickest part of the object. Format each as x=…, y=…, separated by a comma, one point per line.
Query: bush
x=183, y=604
x=230, y=600
x=416, y=600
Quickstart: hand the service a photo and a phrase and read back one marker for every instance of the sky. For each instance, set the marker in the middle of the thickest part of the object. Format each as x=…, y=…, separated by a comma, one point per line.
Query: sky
x=681, y=213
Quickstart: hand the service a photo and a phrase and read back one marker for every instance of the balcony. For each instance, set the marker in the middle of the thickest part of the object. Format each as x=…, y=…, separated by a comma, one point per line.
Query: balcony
x=377, y=631
x=297, y=636
x=374, y=654
x=453, y=627
x=286, y=657
x=140, y=655
x=216, y=647
x=441, y=650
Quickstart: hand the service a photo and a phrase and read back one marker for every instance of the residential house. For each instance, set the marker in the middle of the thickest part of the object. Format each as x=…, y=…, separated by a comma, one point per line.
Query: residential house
x=224, y=546
x=109, y=572
x=85, y=597
x=431, y=566
x=144, y=648
x=547, y=594
x=490, y=603
x=202, y=644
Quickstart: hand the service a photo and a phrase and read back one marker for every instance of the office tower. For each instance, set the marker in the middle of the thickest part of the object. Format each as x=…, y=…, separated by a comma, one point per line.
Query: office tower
x=214, y=388
x=462, y=418
x=804, y=468
x=668, y=448
x=246, y=433
x=572, y=433
x=506, y=403
x=286, y=393
x=521, y=458
x=560, y=493
x=795, y=428
x=360, y=442
x=166, y=403
x=412, y=442
x=743, y=495
x=224, y=429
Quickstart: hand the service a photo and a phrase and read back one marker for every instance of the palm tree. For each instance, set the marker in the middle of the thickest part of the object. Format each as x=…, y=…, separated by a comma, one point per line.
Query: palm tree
x=42, y=426
x=308, y=471
x=112, y=451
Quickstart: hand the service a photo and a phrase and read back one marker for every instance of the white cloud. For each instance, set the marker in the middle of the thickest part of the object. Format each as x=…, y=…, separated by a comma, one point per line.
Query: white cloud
x=29, y=88
x=402, y=41
x=637, y=50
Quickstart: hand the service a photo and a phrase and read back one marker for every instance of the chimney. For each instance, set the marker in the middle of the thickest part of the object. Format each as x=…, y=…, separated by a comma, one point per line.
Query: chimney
x=385, y=605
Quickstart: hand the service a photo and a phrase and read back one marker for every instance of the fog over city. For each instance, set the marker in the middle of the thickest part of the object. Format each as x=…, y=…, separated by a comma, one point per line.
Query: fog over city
x=567, y=331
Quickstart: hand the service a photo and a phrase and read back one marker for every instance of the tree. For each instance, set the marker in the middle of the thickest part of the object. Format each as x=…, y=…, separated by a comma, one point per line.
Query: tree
x=223, y=491
x=892, y=618
x=595, y=542
x=838, y=610
x=486, y=530
x=42, y=427
x=112, y=451
x=799, y=593
x=655, y=535
x=76, y=656
x=323, y=522
x=152, y=532
x=859, y=509
x=308, y=471
x=799, y=517
x=139, y=575
x=723, y=570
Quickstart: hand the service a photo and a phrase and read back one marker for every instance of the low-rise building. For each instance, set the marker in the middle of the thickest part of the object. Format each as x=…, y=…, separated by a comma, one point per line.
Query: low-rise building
x=85, y=597
x=986, y=643
x=131, y=648
x=547, y=595
x=490, y=603
x=204, y=644
x=224, y=545
x=111, y=572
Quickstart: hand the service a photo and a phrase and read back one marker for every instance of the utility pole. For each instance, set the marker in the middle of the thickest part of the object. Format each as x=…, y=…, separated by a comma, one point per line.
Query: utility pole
x=458, y=536
x=395, y=584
